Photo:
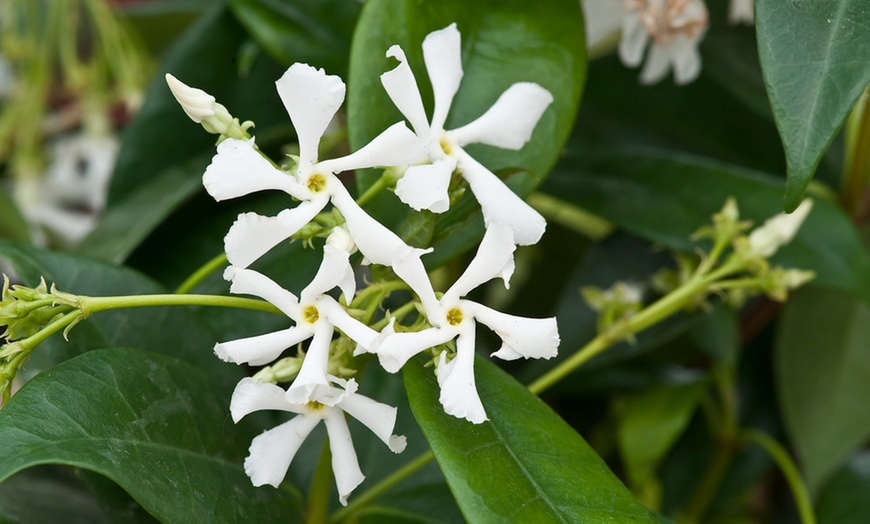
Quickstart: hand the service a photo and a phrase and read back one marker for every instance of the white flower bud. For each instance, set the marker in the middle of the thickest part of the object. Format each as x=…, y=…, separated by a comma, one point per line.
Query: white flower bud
x=197, y=104
x=340, y=239
x=778, y=231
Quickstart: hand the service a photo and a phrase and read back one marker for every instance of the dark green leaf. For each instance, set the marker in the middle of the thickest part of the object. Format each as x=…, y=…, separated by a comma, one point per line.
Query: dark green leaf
x=317, y=30
x=525, y=464
x=12, y=225
x=844, y=499
x=815, y=62
x=427, y=504
x=46, y=494
x=823, y=378
x=156, y=426
x=620, y=185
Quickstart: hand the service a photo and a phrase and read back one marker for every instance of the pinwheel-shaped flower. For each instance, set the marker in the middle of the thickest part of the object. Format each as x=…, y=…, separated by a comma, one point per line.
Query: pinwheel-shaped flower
x=675, y=28
x=316, y=315
x=272, y=452
x=507, y=124
x=457, y=317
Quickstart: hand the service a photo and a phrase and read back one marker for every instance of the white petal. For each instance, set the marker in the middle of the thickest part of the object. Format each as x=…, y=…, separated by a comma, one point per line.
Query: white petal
x=238, y=169
x=345, y=465
x=312, y=98
x=458, y=390
x=250, y=282
x=656, y=66
x=442, y=52
x=633, y=42
x=501, y=205
x=272, y=452
x=397, y=145
x=603, y=19
x=340, y=318
x=311, y=382
x=741, y=11
x=379, y=418
x=396, y=349
x=686, y=60
x=253, y=395
x=510, y=121
x=261, y=349
x=333, y=271
x=494, y=258
x=425, y=186
x=521, y=336
x=252, y=236
x=778, y=231
x=401, y=86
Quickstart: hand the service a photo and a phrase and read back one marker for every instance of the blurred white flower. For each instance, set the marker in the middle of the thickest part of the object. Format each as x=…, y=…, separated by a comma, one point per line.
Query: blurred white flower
x=455, y=317
x=777, y=231
x=741, y=11
x=272, y=451
x=507, y=124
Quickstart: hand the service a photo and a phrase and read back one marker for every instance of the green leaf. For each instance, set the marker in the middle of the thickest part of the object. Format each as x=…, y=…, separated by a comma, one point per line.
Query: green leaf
x=525, y=464
x=154, y=425
x=844, y=499
x=503, y=42
x=619, y=185
x=12, y=225
x=823, y=378
x=651, y=423
x=318, y=30
x=44, y=494
x=427, y=504
x=815, y=62
x=181, y=333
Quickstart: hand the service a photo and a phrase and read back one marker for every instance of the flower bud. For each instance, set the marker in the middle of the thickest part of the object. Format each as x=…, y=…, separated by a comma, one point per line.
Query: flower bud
x=776, y=232
x=197, y=104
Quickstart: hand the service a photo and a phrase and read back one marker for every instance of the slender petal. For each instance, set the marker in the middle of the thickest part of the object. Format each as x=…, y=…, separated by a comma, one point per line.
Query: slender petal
x=494, y=255
x=686, y=60
x=521, y=336
x=253, y=395
x=396, y=349
x=425, y=186
x=633, y=42
x=442, y=52
x=345, y=465
x=339, y=317
x=458, y=390
x=250, y=282
x=501, y=205
x=238, y=169
x=397, y=145
x=311, y=382
x=401, y=86
x=272, y=452
x=510, y=121
x=312, y=98
x=379, y=418
x=656, y=66
x=261, y=349
x=252, y=236
x=334, y=271
x=741, y=11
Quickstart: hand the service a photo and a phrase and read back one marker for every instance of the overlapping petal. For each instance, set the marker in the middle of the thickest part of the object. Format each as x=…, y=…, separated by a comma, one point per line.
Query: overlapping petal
x=442, y=53
x=239, y=169
x=261, y=349
x=402, y=88
x=271, y=452
x=459, y=395
x=521, y=337
x=397, y=349
x=494, y=258
x=425, y=186
x=250, y=282
x=397, y=145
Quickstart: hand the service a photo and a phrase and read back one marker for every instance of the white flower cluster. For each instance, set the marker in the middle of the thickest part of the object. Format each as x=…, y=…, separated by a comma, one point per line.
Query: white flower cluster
x=430, y=157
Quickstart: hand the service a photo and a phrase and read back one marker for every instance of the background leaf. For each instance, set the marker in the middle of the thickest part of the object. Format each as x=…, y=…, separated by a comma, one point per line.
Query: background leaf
x=12, y=225
x=524, y=464
x=816, y=63
x=844, y=499
x=823, y=378
x=156, y=426
x=47, y=494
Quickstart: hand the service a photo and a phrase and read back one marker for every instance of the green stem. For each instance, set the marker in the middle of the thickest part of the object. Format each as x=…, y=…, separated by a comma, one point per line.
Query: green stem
x=788, y=468
x=381, y=184
x=321, y=485
x=857, y=159
x=710, y=481
x=91, y=305
x=570, y=216
x=202, y=273
x=398, y=313
x=383, y=486
x=52, y=328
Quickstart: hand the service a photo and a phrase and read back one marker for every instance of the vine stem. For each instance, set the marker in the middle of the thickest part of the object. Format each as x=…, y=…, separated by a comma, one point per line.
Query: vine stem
x=202, y=273
x=89, y=305
x=857, y=158
x=789, y=469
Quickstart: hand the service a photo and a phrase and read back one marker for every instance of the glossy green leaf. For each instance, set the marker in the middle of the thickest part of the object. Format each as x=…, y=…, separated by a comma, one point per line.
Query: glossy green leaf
x=317, y=30
x=525, y=464
x=844, y=499
x=503, y=42
x=650, y=424
x=45, y=494
x=816, y=64
x=619, y=185
x=823, y=378
x=12, y=225
x=426, y=504
x=181, y=333
x=156, y=426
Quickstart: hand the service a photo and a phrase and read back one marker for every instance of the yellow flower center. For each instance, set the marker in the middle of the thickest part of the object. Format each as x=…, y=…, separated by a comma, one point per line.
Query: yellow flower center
x=316, y=183
x=314, y=405
x=310, y=314
x=454, y=316
x=446, y=146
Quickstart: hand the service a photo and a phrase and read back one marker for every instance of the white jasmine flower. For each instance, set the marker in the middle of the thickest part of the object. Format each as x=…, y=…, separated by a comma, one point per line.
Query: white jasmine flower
x=507, y=124
x=272, y=452
x=777, y=231
x=316, y=315
x=312, y=98
x=741, y=11
x=455, y=317
x=674, y=28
